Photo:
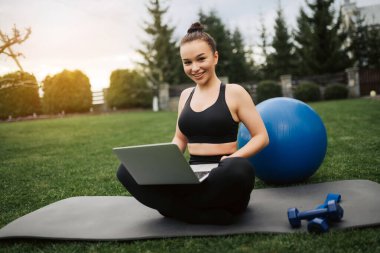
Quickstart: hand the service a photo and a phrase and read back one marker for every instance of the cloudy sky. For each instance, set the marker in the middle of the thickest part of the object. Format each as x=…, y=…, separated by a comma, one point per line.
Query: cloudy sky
x=99, y=36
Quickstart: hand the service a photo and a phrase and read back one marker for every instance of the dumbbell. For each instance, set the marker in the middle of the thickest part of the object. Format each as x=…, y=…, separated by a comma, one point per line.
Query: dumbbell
x=320, y=225
x=333, y=212
x=330, y=196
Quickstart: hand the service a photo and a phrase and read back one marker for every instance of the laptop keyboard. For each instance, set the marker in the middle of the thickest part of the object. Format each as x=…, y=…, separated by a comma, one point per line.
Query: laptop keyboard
x=201, y=174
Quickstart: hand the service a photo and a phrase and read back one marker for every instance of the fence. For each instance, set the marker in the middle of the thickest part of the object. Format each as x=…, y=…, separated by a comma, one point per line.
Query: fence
x=340, y=77
x=359, y=83
x=369, y=81
x=98, y=100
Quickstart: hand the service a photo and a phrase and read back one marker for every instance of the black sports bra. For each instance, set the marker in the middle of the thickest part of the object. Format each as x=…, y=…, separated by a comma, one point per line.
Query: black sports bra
x=212, y=125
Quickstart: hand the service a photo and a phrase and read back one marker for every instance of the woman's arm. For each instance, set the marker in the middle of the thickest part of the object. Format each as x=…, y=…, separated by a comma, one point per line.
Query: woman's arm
x=180, y=140
x=245, y=110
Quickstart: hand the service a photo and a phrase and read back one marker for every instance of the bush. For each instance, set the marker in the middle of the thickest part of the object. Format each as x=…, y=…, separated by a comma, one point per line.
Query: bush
x=128, y=89
x=307, y=92
x=267, y=89
x=18, y=95
x=336, y=91
x=68, y=91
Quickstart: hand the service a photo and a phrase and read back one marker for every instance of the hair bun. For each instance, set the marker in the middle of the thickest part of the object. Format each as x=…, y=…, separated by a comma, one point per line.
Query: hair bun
x=195, y=27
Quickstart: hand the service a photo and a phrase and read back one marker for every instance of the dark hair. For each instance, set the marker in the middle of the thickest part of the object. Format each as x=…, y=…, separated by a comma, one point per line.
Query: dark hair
x=195, y=32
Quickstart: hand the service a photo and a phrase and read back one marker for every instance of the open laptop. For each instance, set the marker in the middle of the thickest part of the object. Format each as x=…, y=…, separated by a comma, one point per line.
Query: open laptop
x=161, y=163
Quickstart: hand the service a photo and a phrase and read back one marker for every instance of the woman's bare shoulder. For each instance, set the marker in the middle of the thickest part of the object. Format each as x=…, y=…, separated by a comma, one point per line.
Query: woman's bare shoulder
x=184, y=96
x=235, y=89
x=186, y=93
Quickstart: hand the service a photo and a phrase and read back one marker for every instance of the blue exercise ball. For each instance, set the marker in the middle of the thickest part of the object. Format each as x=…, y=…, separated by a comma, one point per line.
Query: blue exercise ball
x=297, y=141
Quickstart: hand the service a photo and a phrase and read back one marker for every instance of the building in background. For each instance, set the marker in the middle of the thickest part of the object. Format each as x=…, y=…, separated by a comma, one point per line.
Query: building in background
x=370, y=13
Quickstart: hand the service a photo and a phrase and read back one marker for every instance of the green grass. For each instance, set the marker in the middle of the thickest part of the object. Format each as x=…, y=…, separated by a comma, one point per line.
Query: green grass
x=44, y=161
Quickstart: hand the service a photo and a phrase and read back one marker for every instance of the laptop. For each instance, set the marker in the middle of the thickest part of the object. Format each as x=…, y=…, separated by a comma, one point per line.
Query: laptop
x=161, y=163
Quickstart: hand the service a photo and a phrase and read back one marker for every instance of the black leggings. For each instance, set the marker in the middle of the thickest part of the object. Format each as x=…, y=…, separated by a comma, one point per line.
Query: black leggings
x=217, y=200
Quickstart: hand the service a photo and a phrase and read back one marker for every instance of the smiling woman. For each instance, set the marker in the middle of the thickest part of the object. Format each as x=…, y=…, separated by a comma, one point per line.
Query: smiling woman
x=208, y=120
x=209, y=113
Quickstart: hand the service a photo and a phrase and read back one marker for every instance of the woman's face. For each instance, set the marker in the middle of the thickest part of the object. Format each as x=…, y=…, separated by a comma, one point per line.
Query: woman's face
x=198, y=61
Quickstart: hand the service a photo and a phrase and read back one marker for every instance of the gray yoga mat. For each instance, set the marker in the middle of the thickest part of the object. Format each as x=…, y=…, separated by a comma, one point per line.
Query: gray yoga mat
x=123, y=218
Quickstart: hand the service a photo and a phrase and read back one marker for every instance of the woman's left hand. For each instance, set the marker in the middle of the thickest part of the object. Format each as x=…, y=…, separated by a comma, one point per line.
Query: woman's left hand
x=224, y=157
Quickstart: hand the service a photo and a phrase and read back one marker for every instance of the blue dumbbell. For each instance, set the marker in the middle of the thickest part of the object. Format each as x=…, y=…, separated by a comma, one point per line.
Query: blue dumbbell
x=330, y=196
x=320, y=225
x=333, y=212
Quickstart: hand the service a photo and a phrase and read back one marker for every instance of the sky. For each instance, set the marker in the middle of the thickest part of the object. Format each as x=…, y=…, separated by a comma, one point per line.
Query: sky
x=100, y=36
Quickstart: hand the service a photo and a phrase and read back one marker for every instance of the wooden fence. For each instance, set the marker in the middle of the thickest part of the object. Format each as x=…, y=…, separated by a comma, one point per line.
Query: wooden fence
x=369, y=80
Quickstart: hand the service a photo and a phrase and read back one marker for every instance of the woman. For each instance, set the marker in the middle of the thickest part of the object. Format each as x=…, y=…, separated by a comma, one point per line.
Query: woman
x=208, y=119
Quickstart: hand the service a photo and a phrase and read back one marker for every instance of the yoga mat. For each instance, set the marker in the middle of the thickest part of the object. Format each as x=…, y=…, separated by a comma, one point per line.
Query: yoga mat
x=123, y=218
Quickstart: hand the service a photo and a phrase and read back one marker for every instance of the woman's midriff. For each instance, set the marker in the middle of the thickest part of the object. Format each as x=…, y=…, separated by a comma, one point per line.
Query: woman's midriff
x=209, y=149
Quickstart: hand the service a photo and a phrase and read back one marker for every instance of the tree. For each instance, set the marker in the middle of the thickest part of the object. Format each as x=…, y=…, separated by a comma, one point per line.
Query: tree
x=374, y=46
x=303, y=49
x=68, y=91
x=358, y=41
x=161, y=62
x=222, y=36
x=18, y=95
x=9, y=40
x=363, y=42
x=239, y=68
x=281, y=61
x=18, y=90
x=128, y=89
x=319, y=40
x=264, y=72
x=253, y=69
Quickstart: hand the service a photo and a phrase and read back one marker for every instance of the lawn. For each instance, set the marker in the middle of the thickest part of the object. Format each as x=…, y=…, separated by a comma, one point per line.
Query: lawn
x=43, y=161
